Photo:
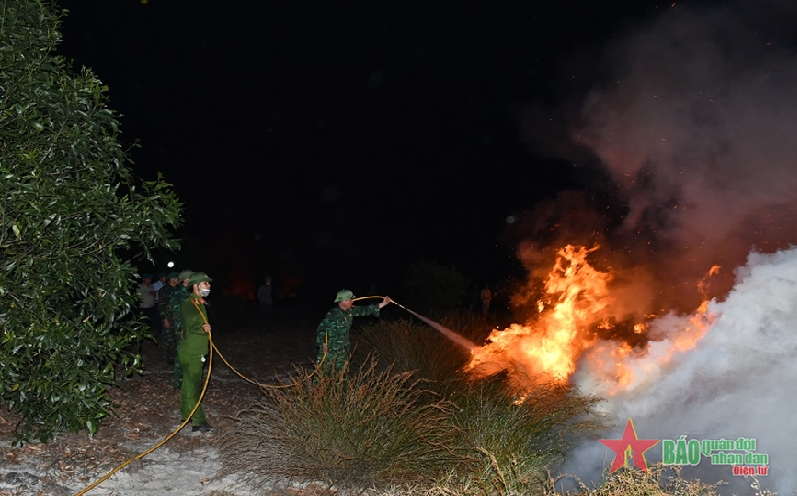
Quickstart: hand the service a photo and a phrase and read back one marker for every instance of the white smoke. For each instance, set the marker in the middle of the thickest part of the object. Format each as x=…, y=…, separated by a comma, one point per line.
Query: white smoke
x=696, y=123
x=739, y=381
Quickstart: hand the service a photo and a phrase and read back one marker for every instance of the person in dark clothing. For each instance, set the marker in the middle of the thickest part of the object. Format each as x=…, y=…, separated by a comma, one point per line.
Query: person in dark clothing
x=265, y=302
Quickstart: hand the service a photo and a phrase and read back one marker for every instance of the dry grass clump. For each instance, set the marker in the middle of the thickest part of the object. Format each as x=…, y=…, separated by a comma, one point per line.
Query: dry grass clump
x=659, y=480
x=350, y=430
x=512, y=436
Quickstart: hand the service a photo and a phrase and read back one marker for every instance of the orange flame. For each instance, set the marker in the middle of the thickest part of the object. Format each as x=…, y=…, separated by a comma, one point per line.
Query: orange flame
x=575, y=307
x=576, y=295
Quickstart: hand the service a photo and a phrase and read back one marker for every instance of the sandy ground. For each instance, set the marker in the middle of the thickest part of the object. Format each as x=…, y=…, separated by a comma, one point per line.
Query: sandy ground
x=149, y=412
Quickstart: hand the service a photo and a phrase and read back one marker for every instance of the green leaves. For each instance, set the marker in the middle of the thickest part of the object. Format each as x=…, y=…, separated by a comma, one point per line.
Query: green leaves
x=70, y=208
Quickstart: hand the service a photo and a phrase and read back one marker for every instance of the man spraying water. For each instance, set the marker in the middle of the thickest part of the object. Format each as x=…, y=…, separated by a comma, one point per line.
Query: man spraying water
x=332, y=336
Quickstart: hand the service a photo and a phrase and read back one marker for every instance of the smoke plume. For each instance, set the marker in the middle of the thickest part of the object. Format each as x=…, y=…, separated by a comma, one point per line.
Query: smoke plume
x=695, y=122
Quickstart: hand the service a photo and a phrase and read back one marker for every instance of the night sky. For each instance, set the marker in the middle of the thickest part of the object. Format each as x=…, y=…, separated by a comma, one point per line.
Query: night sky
x=335, y=142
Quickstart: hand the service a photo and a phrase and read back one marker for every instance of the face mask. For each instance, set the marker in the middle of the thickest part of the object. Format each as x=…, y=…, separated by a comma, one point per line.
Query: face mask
x=204, y=292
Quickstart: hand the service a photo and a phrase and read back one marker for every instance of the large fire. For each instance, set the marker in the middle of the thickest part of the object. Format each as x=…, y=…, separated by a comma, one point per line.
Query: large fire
x=574, y=326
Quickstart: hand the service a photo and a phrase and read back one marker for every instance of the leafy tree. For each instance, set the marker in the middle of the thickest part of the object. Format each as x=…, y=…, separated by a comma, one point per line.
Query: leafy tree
x=71, y=209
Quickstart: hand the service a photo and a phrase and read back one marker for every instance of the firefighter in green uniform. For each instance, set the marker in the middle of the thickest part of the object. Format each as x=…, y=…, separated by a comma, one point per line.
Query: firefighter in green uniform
x=332, y=336
x=193, y=349
x=180, y=295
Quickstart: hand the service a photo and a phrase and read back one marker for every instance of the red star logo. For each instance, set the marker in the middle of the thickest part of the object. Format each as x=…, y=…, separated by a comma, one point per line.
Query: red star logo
x=629, y=442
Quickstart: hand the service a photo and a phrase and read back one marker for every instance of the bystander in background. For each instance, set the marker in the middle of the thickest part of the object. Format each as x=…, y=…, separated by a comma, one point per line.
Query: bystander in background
x=266, y=303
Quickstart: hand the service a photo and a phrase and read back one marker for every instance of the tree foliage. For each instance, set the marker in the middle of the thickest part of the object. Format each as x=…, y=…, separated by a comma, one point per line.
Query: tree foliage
x=71, y=209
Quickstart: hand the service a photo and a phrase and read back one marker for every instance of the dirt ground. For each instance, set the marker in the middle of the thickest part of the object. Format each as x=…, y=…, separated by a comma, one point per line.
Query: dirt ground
x=149, y=411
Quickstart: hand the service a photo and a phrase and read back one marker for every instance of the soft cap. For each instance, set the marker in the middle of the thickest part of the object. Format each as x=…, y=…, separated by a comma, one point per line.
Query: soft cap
x=343, y=295
x=198, y=277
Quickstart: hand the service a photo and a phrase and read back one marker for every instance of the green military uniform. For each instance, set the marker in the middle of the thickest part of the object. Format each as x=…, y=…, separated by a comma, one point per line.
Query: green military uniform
x=334, y=331
x=191, y=354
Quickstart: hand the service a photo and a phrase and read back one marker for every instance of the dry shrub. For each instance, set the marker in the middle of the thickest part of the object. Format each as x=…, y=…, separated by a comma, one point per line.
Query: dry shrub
x=368, y=427
x=659, y=480
x=508, y=434
x=513, y=435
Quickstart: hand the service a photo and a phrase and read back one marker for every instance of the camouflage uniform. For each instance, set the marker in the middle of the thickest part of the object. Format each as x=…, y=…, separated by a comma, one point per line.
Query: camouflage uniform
x=168, y=339
x=334, y=331
x=176, y=299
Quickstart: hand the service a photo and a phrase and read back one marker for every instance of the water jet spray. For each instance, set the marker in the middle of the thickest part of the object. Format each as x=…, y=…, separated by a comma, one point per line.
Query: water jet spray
x=453, y=336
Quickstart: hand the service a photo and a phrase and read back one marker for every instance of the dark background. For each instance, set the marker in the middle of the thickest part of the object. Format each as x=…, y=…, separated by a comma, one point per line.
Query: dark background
x=330, y=144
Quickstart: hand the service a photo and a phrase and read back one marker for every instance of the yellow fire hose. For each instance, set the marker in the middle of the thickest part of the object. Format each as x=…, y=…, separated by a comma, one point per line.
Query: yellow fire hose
x=171, y=435
x=212, y=348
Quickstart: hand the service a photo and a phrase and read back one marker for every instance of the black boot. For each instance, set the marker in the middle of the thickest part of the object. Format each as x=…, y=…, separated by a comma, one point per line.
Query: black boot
x=204, y=428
